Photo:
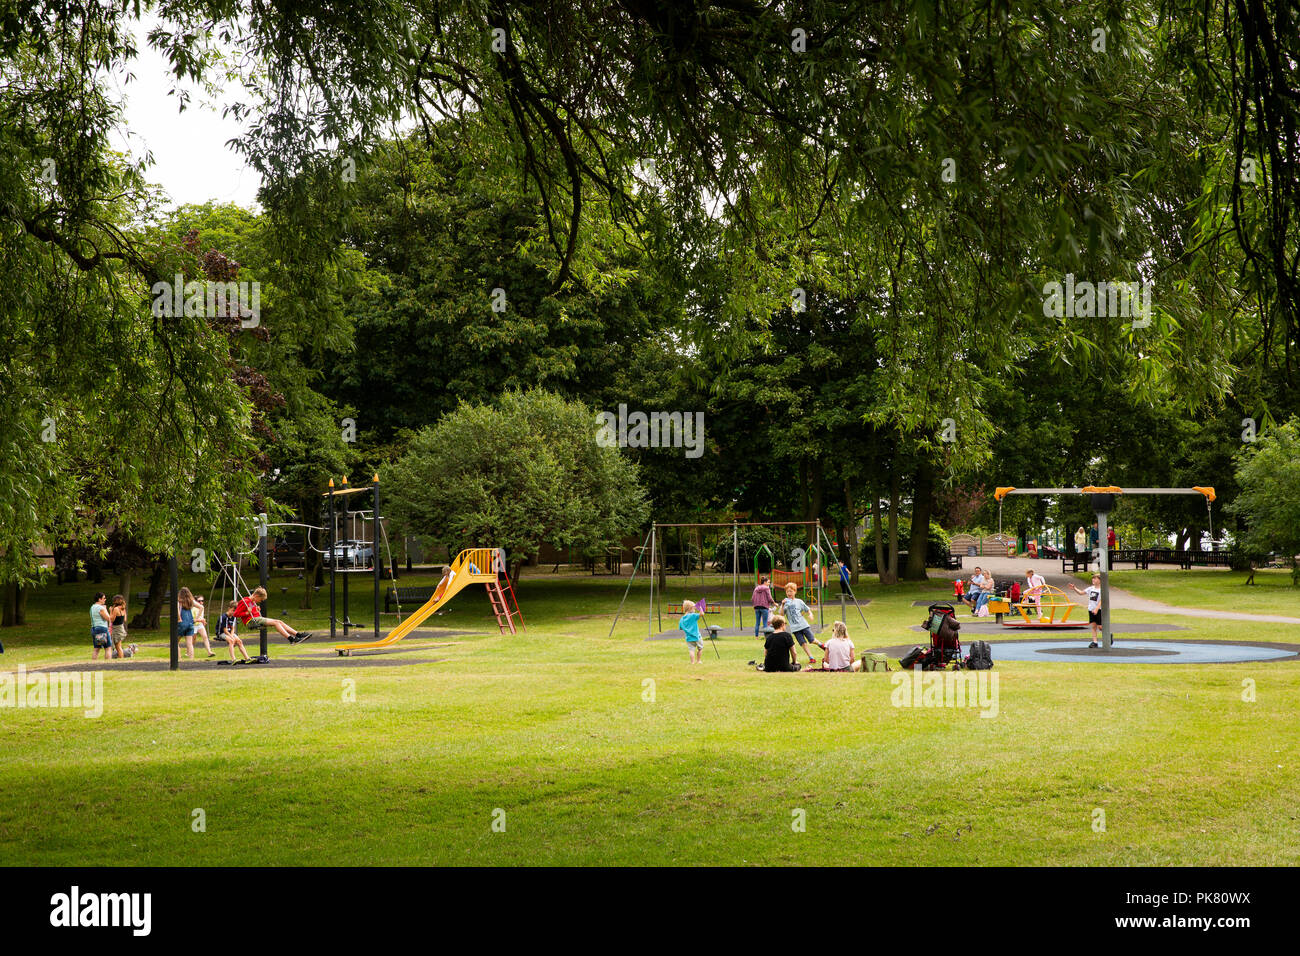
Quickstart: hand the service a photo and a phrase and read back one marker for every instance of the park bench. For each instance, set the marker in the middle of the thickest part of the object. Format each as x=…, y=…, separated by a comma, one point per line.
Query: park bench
x=408, y=597
x=708, y=609
x=1074, y=563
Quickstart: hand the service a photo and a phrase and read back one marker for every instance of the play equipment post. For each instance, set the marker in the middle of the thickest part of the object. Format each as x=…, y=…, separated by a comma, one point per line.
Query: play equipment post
x=330, y=556
x=650, y=616
x=1102, y=505
x=262, y=578
x=173, y=641
x=735, y=571
x=374, y=548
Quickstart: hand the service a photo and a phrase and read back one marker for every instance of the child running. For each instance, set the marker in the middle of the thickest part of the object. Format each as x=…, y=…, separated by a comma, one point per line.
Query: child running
x=249, y=611
x=793, y=609
x=1093, y=594
x=689, y=624
x=226, y=631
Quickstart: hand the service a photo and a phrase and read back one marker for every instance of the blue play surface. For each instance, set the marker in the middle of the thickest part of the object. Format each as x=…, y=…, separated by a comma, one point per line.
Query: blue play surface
x=1136, y=652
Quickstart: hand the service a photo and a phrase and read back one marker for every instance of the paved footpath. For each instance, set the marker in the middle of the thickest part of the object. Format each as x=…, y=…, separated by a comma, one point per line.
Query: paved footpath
x=1007, y=568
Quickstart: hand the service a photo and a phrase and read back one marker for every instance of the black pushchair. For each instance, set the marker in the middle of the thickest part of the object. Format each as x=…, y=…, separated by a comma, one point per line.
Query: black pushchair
x=945, y=645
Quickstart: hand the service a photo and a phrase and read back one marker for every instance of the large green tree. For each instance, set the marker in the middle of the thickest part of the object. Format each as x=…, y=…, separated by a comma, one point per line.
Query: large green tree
x=526, y=470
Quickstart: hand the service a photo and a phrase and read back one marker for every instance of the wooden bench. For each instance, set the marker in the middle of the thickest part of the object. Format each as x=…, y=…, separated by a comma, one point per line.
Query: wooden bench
x=408, y=597
x=1074, y=563
x=708, y=609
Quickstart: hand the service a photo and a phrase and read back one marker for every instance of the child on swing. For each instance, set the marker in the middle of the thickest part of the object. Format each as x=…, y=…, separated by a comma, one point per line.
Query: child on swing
x=226, y=632
x=249, y=611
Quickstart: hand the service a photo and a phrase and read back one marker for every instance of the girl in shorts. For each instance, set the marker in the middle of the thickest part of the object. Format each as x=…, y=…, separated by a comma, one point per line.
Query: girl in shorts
x=117, y=623
x=185, y=604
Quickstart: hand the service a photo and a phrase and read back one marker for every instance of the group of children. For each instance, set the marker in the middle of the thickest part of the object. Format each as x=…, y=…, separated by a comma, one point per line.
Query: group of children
x=108, y=624
x=837, y=652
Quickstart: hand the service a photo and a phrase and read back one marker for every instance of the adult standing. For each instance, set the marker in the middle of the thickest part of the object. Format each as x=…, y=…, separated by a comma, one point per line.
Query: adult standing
x=100, y=623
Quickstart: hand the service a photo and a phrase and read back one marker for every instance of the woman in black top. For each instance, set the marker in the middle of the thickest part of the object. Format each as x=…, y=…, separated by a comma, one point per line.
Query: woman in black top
x=778, y=648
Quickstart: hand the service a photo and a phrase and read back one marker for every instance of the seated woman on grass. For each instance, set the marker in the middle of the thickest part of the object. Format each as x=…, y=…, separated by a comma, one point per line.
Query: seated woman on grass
x=778, y=648
x=250, y=612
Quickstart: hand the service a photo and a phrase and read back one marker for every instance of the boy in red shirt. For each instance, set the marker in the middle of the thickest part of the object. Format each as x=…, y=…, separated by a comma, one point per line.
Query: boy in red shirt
x=250, y=612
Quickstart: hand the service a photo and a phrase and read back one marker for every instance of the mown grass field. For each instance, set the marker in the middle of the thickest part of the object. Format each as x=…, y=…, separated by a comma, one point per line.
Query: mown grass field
x=614, y=750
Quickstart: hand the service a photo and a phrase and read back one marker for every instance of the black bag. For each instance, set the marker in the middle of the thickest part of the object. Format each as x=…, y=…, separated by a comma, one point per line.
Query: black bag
x=981, y=657
x=912, y=657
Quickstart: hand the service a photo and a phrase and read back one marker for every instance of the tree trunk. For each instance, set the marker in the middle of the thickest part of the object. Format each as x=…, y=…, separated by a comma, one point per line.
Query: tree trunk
x=922, y=506
x=14, y=600
x=851, y=537
x=124, y=583
x=893, y=528
x=803, y=490
x=876, y=532
x=149, y=615
x=312, y=568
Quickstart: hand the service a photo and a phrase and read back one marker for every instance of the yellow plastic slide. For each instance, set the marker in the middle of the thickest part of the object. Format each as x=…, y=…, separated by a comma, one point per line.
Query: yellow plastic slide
x=461, y=576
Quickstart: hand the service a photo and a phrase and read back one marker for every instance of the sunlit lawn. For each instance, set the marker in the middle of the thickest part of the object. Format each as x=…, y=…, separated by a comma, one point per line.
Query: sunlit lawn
x=597, y=749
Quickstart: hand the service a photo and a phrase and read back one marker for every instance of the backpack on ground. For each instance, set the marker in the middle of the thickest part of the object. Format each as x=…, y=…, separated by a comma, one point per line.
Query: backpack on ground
x=875, y=662
x=912, y=657
x=981, y=657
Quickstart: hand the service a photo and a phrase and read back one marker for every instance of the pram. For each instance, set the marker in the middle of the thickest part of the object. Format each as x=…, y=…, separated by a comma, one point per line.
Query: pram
x=945, y=645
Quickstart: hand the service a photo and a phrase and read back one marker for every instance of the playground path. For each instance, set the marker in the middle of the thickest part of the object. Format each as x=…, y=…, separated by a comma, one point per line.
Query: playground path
x=1006, y=568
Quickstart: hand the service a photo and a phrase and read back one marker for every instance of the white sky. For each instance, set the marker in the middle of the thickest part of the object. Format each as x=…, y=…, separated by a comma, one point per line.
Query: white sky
x=191, y=159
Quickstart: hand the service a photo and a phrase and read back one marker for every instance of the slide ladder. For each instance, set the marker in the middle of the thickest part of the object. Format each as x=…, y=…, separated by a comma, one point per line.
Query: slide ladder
x=504, y=605
x=468, y=568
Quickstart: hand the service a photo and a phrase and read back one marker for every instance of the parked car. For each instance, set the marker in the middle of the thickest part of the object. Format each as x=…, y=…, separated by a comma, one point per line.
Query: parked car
x=287, y=554
x=353, y=554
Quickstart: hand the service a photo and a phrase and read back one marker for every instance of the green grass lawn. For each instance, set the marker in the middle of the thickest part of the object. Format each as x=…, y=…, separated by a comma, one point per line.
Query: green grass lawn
x=1272, y=592
x=596, y=749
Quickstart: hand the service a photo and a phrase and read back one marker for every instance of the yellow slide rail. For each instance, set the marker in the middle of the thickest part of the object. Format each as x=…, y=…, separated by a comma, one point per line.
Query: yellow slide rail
x=472, y=566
